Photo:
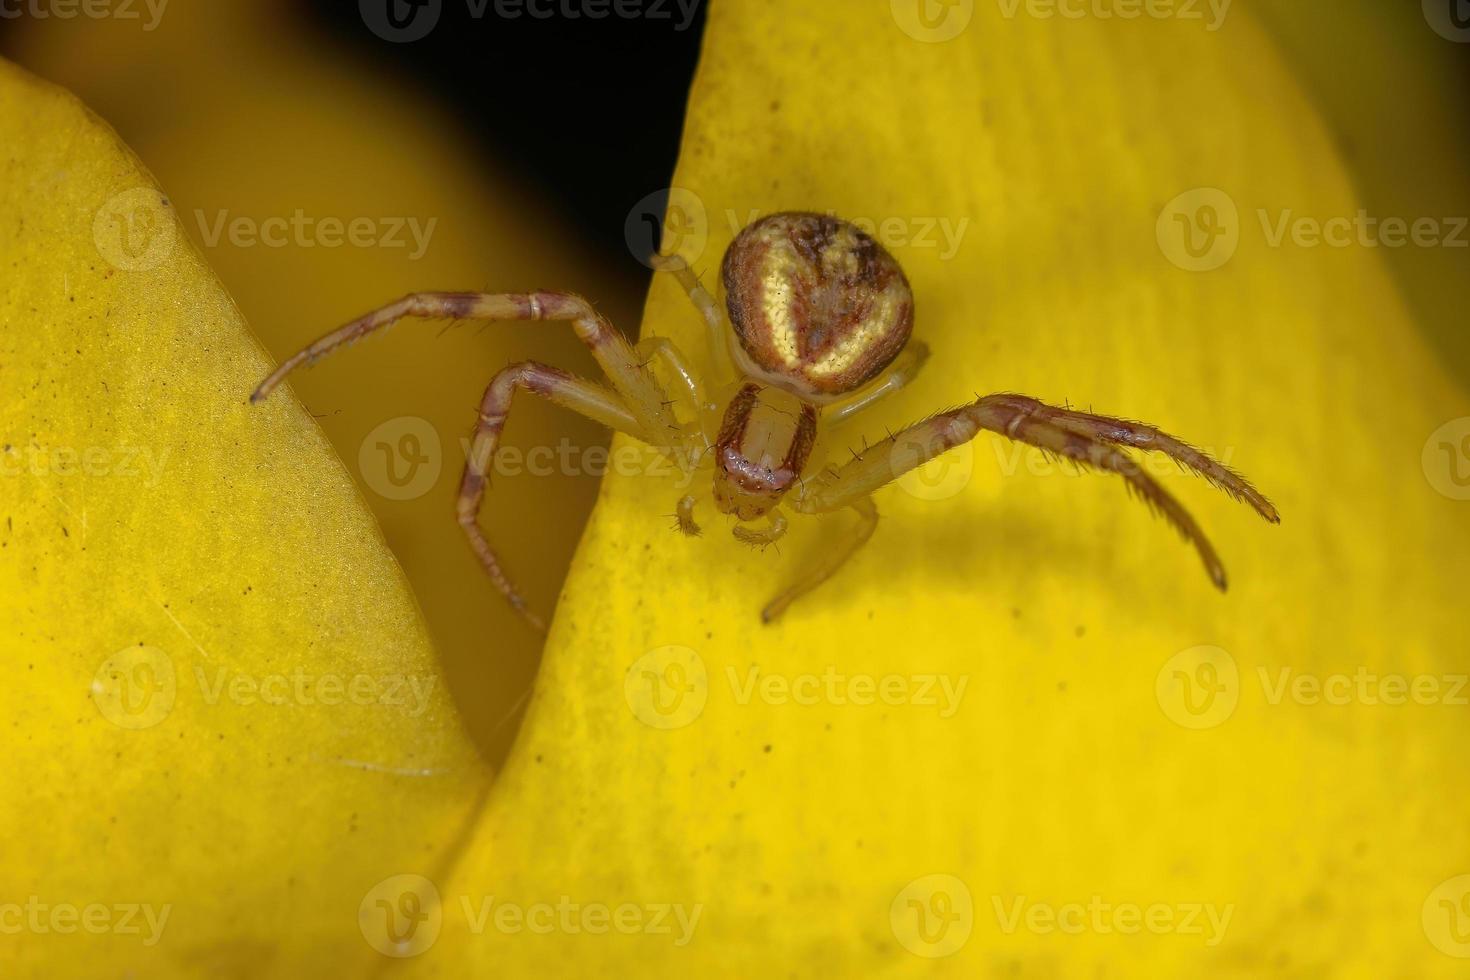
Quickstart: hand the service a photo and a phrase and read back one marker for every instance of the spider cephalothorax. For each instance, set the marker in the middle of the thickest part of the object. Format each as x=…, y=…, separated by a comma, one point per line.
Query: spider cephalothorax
x=820, y=317
x=762, y=447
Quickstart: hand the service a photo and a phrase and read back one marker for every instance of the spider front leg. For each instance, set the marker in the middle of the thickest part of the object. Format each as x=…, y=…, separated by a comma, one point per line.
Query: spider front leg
x=678, y=364
x=557, y=387
x=1084, y=438
x=639, y=408
x=642, y=395
x=830, y=561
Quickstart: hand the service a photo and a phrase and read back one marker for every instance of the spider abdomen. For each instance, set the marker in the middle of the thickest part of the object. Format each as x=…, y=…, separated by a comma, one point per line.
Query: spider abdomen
x=819, y=308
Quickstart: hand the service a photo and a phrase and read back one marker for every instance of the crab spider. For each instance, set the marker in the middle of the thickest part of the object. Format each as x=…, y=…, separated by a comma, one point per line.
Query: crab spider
x=821, y=317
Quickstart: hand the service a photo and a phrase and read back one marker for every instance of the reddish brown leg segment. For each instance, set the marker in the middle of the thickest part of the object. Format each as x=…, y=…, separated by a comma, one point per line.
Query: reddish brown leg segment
x=639, y=408
x=1123, y=432
x=642, y=395
x=557, y=387
x=1086, y=439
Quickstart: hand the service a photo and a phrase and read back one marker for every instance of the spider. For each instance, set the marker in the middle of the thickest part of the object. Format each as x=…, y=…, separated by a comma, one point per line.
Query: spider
x=821, y=317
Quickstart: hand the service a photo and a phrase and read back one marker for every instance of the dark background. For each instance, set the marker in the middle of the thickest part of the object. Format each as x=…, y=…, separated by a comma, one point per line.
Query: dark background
x=566, y=132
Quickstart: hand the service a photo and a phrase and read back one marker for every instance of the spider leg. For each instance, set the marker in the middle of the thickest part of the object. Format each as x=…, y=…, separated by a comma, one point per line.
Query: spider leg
x=774, y=530
x=665, y=349
x=1054, y=431
x=684, y=517
x=641, y=393
x=830, y=561
x=709, y=311
x=557, y=387
x=903, y=371
x=1123, y=432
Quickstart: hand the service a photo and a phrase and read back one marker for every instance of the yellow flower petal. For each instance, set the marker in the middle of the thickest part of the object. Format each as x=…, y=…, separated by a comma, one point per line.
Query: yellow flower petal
x=224, y=722
x=349, y=142
x=1123, y=754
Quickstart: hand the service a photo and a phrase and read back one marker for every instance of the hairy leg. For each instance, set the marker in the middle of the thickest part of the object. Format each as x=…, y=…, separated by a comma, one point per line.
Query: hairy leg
x=774, y=530
x=669, y=352
x=641, y=393
x=684, y=517
x=709, y=310
x=557, y=387
x=830, y=562
x=1138, y=435
x=1085, y=439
